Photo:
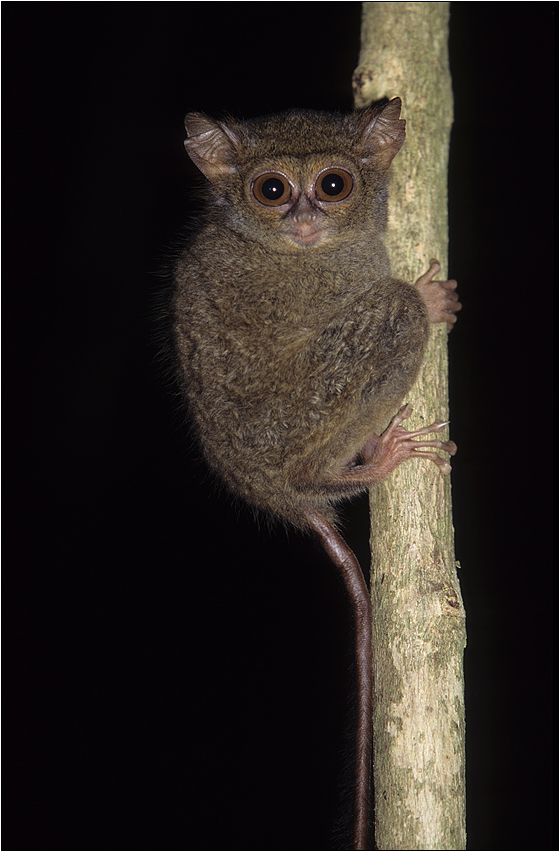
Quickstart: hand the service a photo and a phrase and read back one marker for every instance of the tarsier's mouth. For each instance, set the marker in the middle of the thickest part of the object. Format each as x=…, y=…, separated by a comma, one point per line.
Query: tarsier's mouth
x=306, y=236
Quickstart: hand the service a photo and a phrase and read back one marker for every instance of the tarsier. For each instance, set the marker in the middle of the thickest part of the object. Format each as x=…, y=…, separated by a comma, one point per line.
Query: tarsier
x=296, y=346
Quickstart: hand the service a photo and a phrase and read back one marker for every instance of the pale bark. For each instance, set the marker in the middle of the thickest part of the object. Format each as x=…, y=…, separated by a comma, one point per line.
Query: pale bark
x=418, y=616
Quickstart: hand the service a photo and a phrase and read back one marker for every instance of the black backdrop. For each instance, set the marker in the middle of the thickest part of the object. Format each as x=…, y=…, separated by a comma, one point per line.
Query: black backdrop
x=175, y=676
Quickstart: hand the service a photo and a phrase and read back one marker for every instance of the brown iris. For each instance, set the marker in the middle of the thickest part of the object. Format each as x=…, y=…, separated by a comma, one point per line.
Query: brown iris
x=272, y=189
x=334, y=185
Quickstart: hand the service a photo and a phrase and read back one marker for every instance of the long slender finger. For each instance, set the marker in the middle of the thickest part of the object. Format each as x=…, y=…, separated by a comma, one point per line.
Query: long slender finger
x=444, y=466
x=439, y=445
x=448, y=285
x=436, y=426
x=435, y=267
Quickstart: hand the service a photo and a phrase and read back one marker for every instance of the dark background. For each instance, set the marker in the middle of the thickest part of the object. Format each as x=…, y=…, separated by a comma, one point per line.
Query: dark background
x=176, y=676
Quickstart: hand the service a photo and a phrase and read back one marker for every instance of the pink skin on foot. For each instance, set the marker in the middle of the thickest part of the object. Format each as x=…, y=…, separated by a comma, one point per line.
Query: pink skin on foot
x=383, y=453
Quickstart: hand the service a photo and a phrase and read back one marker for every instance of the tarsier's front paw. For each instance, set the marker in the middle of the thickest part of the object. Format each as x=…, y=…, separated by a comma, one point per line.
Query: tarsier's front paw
x=440, y=296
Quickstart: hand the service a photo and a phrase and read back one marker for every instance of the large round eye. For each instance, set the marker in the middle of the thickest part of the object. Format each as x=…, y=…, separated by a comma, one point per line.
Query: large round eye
x=272, y=189
x=334, y=185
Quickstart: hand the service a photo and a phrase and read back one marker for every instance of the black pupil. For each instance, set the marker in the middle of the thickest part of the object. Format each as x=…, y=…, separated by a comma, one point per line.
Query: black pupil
x=332, y=184
x=273, y=188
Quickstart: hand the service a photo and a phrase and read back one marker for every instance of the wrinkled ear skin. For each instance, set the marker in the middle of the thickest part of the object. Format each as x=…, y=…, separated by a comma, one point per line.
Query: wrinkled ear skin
x=382, y=133
x=212, y=145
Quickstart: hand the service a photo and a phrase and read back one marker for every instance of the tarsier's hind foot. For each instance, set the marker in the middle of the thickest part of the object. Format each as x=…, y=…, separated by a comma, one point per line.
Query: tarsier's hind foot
x=382, y=454
x=396, y=444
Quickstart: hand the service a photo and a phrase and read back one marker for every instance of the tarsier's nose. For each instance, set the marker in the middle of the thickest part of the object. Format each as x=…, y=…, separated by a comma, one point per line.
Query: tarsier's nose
x=304, y=213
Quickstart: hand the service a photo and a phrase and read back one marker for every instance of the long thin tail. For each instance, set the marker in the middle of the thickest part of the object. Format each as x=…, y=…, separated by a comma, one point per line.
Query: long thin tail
x=344, y=559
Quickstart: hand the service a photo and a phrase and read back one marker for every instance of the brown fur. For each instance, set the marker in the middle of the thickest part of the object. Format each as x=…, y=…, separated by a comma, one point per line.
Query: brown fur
x=291, y=355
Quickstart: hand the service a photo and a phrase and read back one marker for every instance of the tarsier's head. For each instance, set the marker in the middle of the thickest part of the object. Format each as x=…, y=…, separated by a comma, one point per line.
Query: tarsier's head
x=298, y=180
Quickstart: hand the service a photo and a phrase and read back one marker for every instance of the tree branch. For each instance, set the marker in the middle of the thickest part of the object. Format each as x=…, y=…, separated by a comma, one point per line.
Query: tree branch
x=418, y=616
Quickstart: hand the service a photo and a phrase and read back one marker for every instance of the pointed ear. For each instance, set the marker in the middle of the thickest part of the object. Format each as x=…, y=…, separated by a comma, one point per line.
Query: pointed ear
x=382, y=133
x=212, y=146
